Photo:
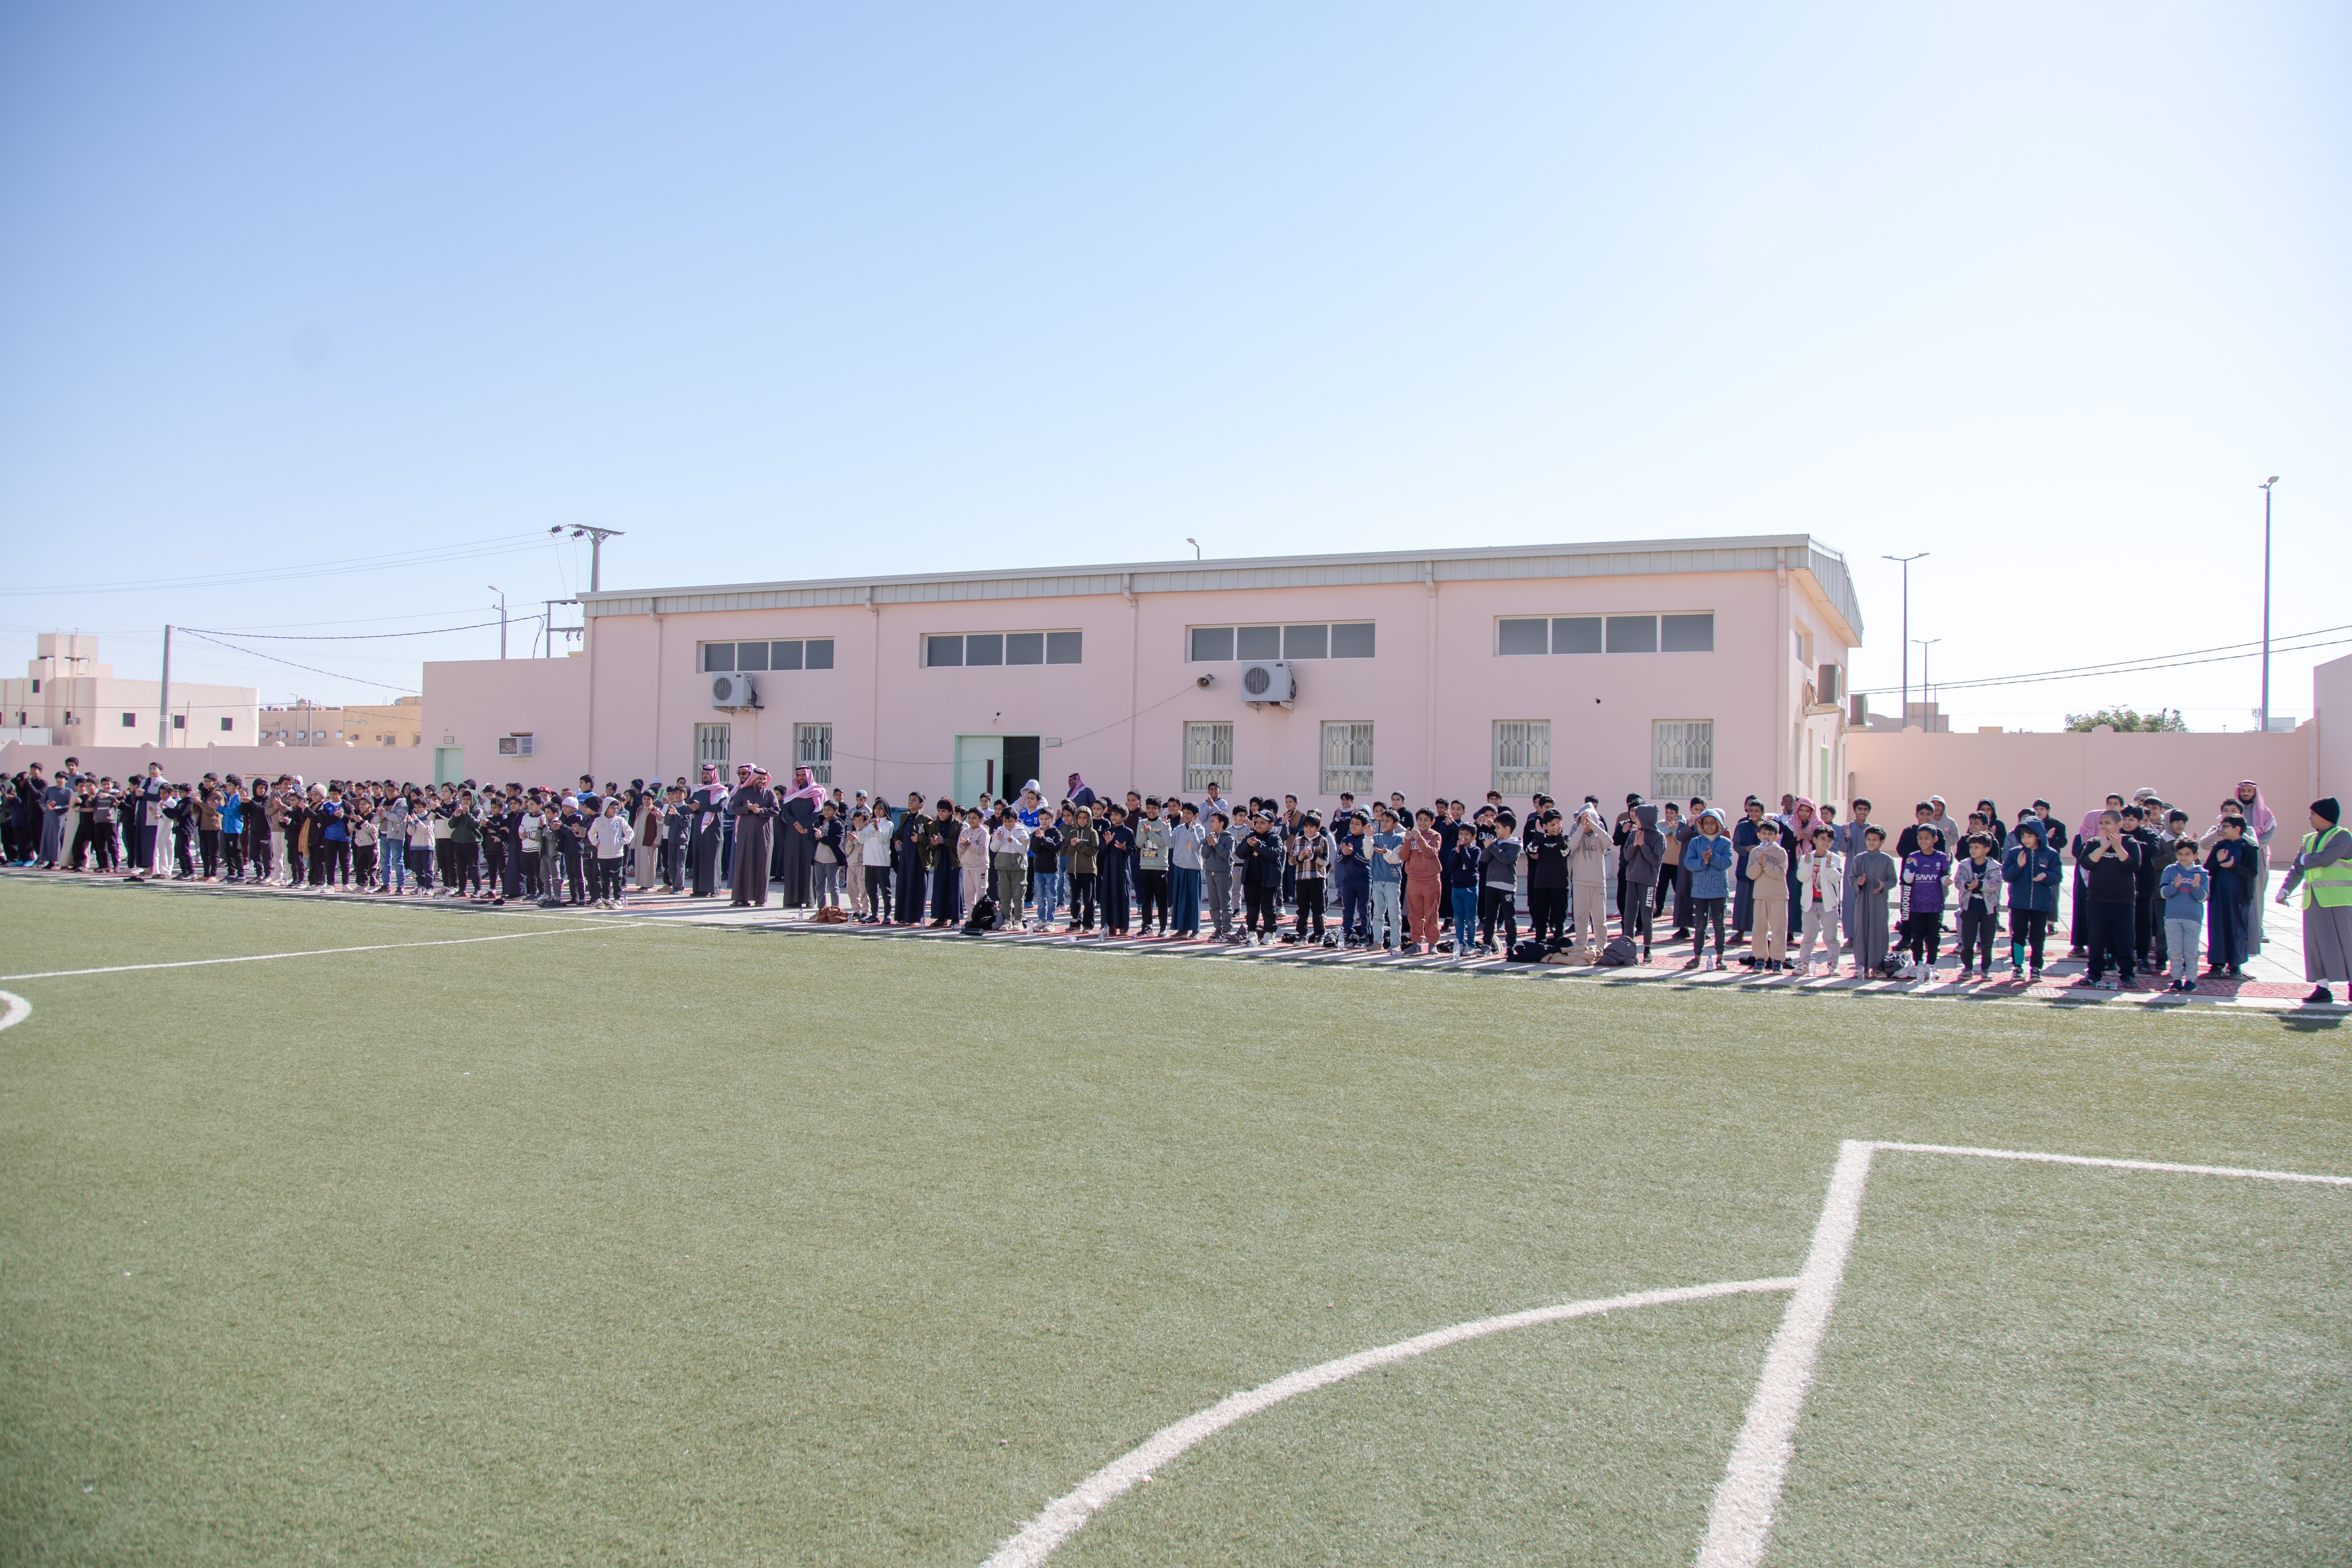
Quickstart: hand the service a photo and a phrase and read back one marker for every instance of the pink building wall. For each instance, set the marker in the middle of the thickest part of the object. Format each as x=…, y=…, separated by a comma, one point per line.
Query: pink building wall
x=1432, y=689
x=470, y=703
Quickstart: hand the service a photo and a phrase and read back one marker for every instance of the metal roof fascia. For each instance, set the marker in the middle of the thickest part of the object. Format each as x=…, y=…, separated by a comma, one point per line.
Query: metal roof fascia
x=1631, y=558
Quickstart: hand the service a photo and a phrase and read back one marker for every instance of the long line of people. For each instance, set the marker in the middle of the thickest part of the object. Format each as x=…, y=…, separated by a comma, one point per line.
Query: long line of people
x=2142, y=888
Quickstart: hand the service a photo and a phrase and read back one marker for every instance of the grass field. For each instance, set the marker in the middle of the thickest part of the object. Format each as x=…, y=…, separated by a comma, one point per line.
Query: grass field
x=631, y=1243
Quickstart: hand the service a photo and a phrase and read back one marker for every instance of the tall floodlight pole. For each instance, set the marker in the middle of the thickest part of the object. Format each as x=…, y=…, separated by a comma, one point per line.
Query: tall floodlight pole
x=2265, y=725
x=501, y=593
x=1904, y=717
x=163, y=706
x=1926, y=690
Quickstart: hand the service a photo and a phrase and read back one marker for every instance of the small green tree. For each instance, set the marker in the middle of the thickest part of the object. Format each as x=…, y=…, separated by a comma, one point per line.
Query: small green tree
x=2164, y=720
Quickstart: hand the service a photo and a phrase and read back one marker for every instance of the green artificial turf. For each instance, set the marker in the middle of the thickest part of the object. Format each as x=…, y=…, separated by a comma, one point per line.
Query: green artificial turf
x=644, y=1245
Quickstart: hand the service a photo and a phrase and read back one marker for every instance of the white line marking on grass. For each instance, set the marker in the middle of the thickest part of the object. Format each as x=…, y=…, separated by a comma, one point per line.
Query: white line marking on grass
x=308, y=953
x=1741, y=1520
x=1065, y=1515
x=1739, y=1524
x=18, y=1009
x=2237, y=1171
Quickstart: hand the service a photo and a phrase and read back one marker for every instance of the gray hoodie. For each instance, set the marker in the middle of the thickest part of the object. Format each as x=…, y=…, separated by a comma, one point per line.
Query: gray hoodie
x=1645, y=849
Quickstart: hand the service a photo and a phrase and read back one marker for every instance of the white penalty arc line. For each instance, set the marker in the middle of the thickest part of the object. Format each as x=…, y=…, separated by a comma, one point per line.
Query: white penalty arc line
x=17, y=1007
x=312, y=952
x=1065, y=1515
x=1740, y=1523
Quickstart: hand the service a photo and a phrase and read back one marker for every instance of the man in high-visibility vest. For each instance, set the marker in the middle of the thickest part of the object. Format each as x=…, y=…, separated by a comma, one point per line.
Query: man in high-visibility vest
x=2325, y=872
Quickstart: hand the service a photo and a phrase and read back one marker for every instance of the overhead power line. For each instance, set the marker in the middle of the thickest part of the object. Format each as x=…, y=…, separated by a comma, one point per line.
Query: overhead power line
x=257, y=653
x=350, y=636
x=2217, y=655
x=505, y=544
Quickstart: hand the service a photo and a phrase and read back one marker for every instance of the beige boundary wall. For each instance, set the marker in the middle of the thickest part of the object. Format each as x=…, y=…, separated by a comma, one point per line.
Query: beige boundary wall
x=2331, y=721
x=2075, y=772
x=184, y=764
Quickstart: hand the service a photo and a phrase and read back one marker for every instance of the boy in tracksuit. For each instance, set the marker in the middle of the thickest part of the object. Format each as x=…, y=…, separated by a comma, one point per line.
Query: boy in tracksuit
x=1977, y=882
x=1351, y=868
x=1217, y=872
x=1498, y=890
x=1767, y=875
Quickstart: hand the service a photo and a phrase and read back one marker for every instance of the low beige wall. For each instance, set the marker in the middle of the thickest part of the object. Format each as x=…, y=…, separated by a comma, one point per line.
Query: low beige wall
x=185, y=764
x=1895, y=770
x=2331, y=708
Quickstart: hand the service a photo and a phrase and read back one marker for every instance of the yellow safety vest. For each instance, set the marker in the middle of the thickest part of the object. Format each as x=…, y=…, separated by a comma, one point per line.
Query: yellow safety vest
x=2329, y=887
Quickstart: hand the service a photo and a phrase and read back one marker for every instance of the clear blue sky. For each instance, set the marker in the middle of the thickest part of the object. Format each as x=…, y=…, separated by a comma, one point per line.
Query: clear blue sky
x=823, y=290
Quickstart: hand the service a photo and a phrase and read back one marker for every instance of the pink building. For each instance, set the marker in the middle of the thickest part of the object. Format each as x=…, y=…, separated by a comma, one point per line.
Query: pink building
x=1704, y=667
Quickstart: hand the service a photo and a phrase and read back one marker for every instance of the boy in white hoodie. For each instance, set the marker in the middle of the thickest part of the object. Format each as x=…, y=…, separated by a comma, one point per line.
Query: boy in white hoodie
x=609, y=837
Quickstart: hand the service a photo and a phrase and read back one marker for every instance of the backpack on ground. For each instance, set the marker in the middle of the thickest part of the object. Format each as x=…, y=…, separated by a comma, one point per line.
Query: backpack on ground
x=983, y=916
x=1527, y=951
x=1620, y=952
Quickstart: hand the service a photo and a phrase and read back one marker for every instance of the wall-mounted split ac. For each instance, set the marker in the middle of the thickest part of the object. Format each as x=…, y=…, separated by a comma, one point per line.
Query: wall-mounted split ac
x=1269, y=680
x=733, y=690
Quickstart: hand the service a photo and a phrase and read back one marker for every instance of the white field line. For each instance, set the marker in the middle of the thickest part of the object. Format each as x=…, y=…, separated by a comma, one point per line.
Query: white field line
x=1740, y=1525
x=1741, y=1520
x=2237, y=1171
x=1063, y=1516
x=17, y=1008
x=309, y=953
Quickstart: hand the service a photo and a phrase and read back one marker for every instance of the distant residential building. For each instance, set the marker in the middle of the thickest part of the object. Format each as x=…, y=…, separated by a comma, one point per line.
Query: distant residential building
x=81, y=702
x=396, y=725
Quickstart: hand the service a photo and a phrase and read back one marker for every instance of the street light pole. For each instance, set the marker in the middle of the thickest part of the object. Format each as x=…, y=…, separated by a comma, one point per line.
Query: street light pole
x=501, y=593
x=1926, y=691
x=163, y=709
x=1904, y=719
x=2266, y=724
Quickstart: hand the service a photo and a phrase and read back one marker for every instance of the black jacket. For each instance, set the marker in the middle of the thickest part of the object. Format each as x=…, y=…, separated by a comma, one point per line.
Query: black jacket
x=2110, y=879
x=1548, y=860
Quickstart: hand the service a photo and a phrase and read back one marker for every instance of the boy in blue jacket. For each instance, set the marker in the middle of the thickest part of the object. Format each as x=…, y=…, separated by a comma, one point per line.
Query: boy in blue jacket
x=1708, y=859
x=2183, y=888
x=2033, y=871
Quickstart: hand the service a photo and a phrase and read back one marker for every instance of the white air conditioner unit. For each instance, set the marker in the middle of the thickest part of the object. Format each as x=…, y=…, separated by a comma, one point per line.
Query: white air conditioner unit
x=1269, y=681
x=733, y=691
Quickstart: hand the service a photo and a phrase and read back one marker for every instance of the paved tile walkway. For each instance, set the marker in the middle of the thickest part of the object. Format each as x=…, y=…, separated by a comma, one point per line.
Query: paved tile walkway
x=2275, y=980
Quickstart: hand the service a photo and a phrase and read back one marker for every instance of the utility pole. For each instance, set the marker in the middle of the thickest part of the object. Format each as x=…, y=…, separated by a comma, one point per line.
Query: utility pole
x=596, y=538
x=163, y=704
x=1904, y=720
x=1926, y=691
x=501, y=593
x=2265, y=717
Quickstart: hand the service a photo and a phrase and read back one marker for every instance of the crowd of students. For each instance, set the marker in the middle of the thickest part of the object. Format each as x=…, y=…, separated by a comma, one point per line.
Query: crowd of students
x=2144, y=887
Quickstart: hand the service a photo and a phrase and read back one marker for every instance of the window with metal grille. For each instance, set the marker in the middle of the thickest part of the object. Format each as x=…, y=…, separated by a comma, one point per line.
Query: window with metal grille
x=1523, y=756
x=1208, y=756
x=1347, y=757
x=711, y=745
x=1681, y=759
x=130, y=721
x=812, y=750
